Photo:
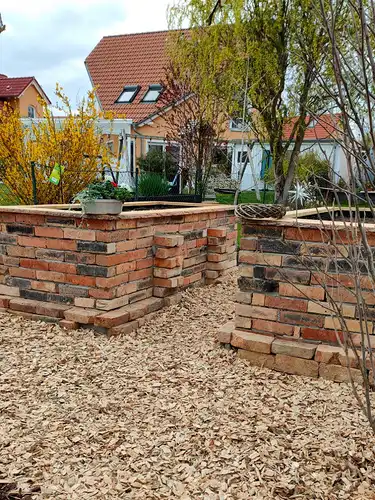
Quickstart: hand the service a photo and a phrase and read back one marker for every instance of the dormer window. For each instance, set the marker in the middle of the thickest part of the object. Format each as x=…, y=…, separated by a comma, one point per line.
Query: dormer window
x=152, y=94
x=128, y=94
x=31, y=112
x=312, y=123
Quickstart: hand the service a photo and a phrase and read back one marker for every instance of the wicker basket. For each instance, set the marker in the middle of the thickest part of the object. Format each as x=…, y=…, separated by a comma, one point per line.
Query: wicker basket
x=259, y=211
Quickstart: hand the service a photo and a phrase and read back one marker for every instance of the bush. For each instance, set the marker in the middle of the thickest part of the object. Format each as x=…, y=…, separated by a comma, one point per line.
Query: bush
x=151, y=184
x=158, y=162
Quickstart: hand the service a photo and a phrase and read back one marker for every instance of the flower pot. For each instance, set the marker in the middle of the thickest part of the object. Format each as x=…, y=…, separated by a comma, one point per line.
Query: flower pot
x=102, y=207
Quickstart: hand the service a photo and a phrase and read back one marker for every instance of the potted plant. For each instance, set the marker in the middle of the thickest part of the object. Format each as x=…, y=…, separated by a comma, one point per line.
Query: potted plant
x=103, y=198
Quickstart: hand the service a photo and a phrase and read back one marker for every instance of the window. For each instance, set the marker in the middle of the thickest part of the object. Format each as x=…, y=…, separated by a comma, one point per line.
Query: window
x=31, y=112
x=128, y=94
x=155, y=147
x=238, y=124
x=153, y=93
x=241, y=156
x=110, y=147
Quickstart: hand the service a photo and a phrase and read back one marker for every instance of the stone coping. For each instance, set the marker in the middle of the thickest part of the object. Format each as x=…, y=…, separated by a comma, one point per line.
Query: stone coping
x=293, y=219
x=65, y=210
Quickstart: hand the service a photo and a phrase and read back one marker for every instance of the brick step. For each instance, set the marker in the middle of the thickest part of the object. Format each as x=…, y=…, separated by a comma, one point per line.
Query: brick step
x=116, y=317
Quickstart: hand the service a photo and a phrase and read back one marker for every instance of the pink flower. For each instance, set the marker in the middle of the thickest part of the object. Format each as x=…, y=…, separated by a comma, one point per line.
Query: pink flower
x=114, y=184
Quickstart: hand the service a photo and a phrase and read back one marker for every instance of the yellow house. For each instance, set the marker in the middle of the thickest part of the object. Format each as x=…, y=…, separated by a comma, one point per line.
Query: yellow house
x=23, y=93
x=126, y=71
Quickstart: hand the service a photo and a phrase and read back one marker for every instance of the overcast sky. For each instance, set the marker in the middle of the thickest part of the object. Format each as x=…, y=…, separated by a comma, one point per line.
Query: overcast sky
x=50, y=39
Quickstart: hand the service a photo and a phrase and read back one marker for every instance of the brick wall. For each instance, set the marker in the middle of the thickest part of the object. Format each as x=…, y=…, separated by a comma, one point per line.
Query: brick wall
x=82, y=268
x=283, y=317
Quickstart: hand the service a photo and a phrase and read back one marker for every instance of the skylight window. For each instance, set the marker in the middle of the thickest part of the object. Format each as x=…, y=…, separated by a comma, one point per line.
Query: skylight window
x=152, y=94
x=128, y=94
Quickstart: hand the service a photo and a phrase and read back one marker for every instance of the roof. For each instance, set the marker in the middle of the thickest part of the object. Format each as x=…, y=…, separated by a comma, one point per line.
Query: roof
x=324, y=127
x=11, y=87
x=133, y=59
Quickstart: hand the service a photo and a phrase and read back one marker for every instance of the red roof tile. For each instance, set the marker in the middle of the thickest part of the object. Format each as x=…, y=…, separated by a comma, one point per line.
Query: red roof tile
x=324, y=127
x=13, y=87
x=135, y=59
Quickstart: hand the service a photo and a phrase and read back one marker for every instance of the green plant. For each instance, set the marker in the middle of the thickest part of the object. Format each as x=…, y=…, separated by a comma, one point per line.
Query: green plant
x=312, y=168
x=152, y=184
x=103, y=191
x=159, y=162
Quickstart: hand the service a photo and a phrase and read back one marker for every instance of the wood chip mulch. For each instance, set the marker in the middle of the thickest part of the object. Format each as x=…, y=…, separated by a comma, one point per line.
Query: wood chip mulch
x=169, y=413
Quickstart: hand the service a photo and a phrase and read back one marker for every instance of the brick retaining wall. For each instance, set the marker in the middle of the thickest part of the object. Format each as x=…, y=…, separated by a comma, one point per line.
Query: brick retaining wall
x=282, y=318
x=108, y=272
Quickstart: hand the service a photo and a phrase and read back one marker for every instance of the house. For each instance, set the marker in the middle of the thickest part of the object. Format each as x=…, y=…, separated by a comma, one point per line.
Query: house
x=23, y=93
x=127, y=70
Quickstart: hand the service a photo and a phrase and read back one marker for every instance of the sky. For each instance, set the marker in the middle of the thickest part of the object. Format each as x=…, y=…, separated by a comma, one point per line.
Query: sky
x=50, y=39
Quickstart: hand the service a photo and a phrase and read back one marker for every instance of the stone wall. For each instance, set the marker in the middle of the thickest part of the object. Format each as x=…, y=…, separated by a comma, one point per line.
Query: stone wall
x=108, y=272
x=283, y=318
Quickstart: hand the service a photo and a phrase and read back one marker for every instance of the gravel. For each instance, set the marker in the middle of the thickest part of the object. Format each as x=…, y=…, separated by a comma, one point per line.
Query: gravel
x=169, y=413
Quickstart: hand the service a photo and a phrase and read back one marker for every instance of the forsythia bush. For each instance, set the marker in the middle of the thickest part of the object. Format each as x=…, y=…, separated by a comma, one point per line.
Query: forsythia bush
x=73, y=142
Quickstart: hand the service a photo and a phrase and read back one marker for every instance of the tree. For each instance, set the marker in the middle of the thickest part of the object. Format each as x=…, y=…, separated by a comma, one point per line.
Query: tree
x=266, y=55
x=28, y=154
x=192, y=119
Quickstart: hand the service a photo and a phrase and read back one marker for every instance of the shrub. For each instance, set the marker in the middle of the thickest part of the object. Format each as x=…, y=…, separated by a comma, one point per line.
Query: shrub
x=158, y=162
x=151, y=184
x=103, y=191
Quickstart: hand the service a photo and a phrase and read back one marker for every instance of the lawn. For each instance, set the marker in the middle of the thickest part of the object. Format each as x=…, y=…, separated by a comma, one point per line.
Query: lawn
x=247, y=197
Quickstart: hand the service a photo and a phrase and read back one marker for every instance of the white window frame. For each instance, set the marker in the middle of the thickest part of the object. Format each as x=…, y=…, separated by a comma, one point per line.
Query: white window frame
x=155, y=142
x=128, y=88
x=152, y=88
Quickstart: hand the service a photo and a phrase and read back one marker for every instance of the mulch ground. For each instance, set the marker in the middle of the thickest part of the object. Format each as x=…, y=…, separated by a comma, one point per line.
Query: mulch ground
x=169, y=413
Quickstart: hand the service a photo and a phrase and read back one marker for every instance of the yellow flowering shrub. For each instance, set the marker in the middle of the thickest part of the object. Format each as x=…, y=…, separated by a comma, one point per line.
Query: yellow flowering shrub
x=73, y=141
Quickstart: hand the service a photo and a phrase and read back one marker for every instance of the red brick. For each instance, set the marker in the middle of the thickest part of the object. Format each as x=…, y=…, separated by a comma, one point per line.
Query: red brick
x=256, y=258
x=145, y=242
x=188, y=226
x=21, y=272
x=126, y=289
x=191, y=218
x=5, y=217
x=49, y=232
x=112, y=282
x=31, y=241
x=79, y=258
x=256, y=312
x=50, y=309
x=124, y=246
x=168, y=241
x=81, y=315
x=34, y=220
x=218, y=232
x=317, y=292
x=166, y=228
x=43, y=286
x=201, y=242
x=62, y=244
x=84, y=302
x=112, y=236
x=200, y=225
x=296, y=366
x=126, y=223
x=144, y=232
x=321, y=334
x=193, y=278
x=163, y=272
x=62, y=267
x=249, y=243
x=168, y=283
x=216, y=257
x=113, y=318
x=138, y=275
x=50, y=276
x=98, y=293
x=169, y=263
x=300, y=234
x=16, y=251
x=126, y=267
x=79, y=234
x=144, y=263
x=166, y=253
x=345, y=295
x=4, y=301
x=24, y=305
x=78, y=279
x=272, y=326
x=34, y=264
x=190, y=244
x=68, y=325
x=287, y=304
x=252, y=341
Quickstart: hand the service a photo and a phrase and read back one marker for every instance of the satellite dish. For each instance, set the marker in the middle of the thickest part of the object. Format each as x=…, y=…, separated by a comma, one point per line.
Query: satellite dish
x=2, y=26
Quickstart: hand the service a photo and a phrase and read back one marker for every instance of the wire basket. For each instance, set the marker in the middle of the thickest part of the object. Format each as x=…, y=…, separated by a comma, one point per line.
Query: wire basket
x=259, y=211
